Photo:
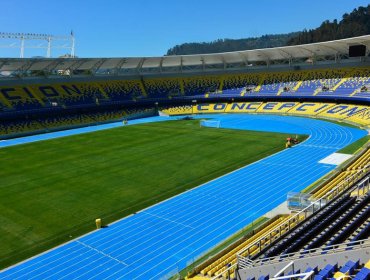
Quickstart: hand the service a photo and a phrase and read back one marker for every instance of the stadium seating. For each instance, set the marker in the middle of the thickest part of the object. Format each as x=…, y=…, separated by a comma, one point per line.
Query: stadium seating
x=14, y=127
x=303, y=234
x=19, y=126
x=343, y=176
x=344, y=219
x=120, y=90
x=355, y=114
x=240, y=81
x=346, y=82
x=277, y=228
x=201, y=85
x=178, y=110
x=163, y=88
x=352, y=269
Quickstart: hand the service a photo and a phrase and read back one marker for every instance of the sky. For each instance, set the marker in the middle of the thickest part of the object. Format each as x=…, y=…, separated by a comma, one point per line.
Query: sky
x=129, y=28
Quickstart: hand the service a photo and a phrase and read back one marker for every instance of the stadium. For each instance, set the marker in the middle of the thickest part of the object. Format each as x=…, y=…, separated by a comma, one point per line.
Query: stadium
x=240, y=165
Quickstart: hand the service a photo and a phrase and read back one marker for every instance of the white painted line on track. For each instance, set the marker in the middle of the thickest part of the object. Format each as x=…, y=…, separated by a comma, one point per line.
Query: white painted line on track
x=162, y=218
x=102, y=253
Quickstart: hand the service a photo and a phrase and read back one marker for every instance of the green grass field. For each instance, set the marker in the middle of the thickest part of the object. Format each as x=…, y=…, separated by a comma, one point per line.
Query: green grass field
x=52, y=191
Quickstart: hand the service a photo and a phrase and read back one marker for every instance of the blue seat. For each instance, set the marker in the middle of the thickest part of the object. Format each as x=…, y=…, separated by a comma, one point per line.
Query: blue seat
x=350, y=267
x=363, y=274
x=328, y=271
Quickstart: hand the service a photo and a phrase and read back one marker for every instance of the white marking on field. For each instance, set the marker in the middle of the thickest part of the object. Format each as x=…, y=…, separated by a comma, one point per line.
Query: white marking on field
x=335, y=159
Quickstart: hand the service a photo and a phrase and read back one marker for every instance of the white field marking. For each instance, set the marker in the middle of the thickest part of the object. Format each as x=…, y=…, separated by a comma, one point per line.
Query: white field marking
x=335, y=159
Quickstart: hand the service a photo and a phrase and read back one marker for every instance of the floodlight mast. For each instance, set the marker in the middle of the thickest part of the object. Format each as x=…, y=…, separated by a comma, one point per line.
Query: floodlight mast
x=73, y=44
x=22, y=37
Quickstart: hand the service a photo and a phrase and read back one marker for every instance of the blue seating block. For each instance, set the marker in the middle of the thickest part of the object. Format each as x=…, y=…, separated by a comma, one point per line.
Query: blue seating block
x=350, y=266
x=363, y=274
x=328, y=271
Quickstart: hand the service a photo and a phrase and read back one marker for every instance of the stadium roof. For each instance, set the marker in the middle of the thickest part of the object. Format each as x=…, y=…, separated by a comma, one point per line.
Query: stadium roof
x=202, y=61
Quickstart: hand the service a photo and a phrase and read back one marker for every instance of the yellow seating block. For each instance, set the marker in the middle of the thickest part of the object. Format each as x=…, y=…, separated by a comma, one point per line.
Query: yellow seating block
x=179, y=110
x=232, y=254
x=198, y=278
x=230, y=258
x=340, y=275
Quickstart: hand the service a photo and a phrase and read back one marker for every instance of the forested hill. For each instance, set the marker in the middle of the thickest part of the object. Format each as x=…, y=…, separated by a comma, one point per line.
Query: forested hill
x=230, y=45
x=356, y=23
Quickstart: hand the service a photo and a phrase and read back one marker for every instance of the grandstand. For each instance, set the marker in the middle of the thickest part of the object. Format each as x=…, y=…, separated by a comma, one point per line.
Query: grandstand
x=341, y=214
x=261, y=90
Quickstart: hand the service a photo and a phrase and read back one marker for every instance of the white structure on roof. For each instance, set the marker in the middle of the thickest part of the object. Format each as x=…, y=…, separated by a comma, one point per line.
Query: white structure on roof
x=23, y=37
x=337, y=50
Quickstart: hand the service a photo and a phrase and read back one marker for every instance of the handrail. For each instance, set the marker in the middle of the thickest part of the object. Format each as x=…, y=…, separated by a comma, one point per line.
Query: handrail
x=227, y=270
x=358, y=244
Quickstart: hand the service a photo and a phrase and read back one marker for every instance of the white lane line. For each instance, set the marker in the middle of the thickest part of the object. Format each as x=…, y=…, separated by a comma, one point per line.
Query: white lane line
x=162, y=218
x=102, y=253
x=321, y=147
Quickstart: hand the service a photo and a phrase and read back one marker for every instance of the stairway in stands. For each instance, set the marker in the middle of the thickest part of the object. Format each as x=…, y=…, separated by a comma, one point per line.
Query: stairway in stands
x=335, y=223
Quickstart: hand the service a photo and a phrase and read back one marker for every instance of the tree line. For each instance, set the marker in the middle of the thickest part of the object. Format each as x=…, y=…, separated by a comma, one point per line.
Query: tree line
x=356, y=23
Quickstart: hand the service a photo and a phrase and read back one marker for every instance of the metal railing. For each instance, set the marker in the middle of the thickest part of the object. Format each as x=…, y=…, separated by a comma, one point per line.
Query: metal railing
x=361, y=188
x=315, y=206
x=333, y=249
x=245, y=263
x=290, y=268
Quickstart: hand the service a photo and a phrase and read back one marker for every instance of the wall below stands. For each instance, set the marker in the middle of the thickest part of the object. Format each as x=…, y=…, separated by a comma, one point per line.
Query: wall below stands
x=356, y=114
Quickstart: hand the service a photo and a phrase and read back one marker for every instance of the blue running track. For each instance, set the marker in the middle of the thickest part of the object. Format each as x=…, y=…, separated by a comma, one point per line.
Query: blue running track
x=168, y=236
